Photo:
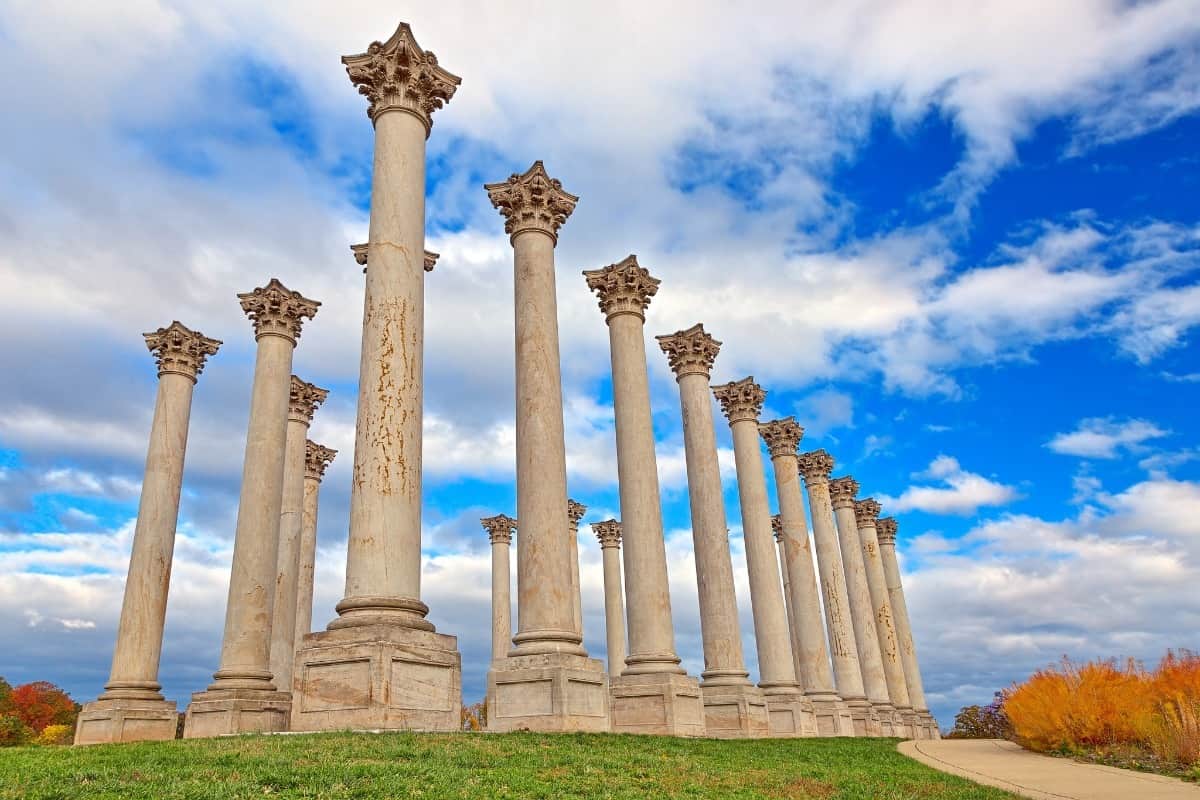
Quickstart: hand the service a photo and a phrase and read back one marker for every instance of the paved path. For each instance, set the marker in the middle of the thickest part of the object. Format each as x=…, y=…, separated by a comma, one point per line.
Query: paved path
x=1006, y=766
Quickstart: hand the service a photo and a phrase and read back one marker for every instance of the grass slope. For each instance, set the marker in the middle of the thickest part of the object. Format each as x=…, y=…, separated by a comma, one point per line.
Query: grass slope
x=346, y=765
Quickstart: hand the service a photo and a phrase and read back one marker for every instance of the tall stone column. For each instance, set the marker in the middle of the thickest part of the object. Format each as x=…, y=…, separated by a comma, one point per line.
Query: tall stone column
x=653, y=694
x=547, y=683
x=782, y=437
x=790, y=713
x=132, y=707
x=500, y=532
x=316, y=459
x=302, y=404
x=865, y=513
x=815, y=467
x=886, y=529
x=243, y=697
x=732, y=706
x=380, y=665
x=575, y=512
x=862, y=613
x=609, y=534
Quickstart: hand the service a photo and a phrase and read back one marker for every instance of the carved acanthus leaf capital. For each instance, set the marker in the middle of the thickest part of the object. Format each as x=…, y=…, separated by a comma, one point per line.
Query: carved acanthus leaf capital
x=532, y=202
x=276, y=310
x=777, y=527
x=742, y=401
x=303, y=399
x=499, y=528
x=815, y=466
x=178, y=349
x=866, y=512
x=575, y=512
x=782, y=436
x=690, y=352
x=842, y=491
x=316, y=459
x=608, y=532
x=623, y=288
x=399, y=75
x=360, y=257
x=886, y=528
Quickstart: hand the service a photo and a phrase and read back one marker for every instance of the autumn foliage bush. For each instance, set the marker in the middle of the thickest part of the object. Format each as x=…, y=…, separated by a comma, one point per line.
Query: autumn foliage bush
x=37, y=713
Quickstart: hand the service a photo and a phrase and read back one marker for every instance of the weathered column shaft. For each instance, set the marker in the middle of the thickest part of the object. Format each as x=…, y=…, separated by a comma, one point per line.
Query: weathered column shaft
x=316, y=459
x=575, y=512
x=500, y=530
x=609, y=534
x=866, y=512
x=777, y=527
x=908, y=654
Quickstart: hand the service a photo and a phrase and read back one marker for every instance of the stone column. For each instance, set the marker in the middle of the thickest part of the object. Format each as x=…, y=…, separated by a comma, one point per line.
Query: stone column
x=500, y=532
x=865, y=513
x=380, y=665
x=575, y=512
x=548, y=683
x=653, y=694
x=791, y=714
x=886, y=529
x=316, y=459
x=862, y=613
x=732, y=706
x=815, y=467
x=302, y=404
x=609, y=534
x=243, y=697
x=783, y=437
x=132, y=707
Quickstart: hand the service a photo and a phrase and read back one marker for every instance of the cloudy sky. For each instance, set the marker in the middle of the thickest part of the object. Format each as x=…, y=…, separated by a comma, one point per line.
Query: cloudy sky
x=960, y=245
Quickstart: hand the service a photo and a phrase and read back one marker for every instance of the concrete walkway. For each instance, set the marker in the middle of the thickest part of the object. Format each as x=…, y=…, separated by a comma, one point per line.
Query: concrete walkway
x=1006, y=766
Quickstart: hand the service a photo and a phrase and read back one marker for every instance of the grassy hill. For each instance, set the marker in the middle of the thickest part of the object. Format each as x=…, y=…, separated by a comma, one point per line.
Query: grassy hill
x=364, y=766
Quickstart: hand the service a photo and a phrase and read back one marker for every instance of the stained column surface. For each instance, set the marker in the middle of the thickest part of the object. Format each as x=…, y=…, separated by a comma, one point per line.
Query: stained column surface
x=575, y=512
x=316, y=459
x=866, y=511
x=609, y=534
x=886, y=529
x=500, y=531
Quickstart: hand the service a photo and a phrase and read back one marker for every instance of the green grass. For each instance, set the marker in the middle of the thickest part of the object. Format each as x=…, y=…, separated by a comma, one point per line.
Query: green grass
x=478, y=766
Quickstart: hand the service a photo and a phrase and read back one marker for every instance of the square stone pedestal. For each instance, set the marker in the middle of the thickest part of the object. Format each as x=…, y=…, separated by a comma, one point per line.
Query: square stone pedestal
x=865, y=718
x=221, y=712
x=549, y=693
x=930, y=728
x=126, y=720
x=791, y=715
x=657, y=703
x=906, y=724
x=833, y=716
x=377, y=677
x=737, y=711
x=888, y=720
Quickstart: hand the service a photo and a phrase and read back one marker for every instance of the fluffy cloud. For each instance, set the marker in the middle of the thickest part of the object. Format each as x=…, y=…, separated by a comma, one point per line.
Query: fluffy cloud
x=963, y=492
x=1105, y=437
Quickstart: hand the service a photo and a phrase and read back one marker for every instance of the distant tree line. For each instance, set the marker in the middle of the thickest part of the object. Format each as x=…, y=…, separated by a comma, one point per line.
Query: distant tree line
x=36, y=713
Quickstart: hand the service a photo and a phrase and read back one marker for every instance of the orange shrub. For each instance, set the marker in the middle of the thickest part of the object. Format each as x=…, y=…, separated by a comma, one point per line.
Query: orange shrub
x=1174, y=733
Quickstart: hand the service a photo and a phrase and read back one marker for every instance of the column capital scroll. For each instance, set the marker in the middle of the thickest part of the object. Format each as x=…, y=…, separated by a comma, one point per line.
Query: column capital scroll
x=499, y=528
x=575, y=512
x=742, y=401
x=276, y=310
x=608, y=533
x=842, y=491
x=532, y=201
x=316, y=459
x=623, y=288
x=360, y=257
x=690, y=352
x=303, y=399
x=178, y=349
x=886, y=528
x=866, y=512
x=815, y=466
x=398, y=75
x=782, y=436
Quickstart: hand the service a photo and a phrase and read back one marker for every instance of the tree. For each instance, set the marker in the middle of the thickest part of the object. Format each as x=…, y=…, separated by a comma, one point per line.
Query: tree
x=41, y=703
x=983, y=722
x=5, y=697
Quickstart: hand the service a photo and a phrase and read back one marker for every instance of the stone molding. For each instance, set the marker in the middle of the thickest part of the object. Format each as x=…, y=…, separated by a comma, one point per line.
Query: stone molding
x=741, y=401
x=815, y=467
x=360, y=257
x=499, y=528
x=866, y=512
x=316, y=458
x=842, y=491
x=276, y=310
x=180, y=350
x=398, y=75
x=623, y=288
x=690, y=351
x=303, y=400
x=886, y=528
x=777, y=527
x=575, y=512
x=532, y=201
x=782, y=436
x=608, y=533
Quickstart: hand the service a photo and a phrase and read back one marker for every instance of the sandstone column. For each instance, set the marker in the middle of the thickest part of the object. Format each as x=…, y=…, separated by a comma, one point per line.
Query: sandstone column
x=302, y=404
x=132, y=708
x=732, y=706
x=575, y=512
x=500, y=531
x=609, y=534
x=791, y=714
x=316, y=459
x=380, y=665
x=886, y=529
x=865, y=513
x=815, y=467
x=653, y=694
x=783, y=437
x=243, y=697
x=862, y=613
x=547, y=683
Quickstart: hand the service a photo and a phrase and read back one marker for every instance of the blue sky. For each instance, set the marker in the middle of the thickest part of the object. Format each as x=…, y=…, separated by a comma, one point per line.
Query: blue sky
x=961, y=248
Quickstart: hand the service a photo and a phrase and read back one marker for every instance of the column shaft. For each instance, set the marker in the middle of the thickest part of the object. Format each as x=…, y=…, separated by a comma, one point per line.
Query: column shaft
x=287, y=577
x=306, y=574
x=908, y=652
x=614, y=609
x=885, y=624
x=576, y=593
x=501, y=599
x=862, y=613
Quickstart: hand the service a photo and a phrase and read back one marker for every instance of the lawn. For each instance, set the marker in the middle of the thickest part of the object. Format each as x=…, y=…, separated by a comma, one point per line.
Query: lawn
x=480, y=766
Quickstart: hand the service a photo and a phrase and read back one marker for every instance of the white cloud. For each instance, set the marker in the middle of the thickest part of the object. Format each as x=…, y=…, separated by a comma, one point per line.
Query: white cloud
x=962, y=492
x=1105, y=437
x=824, y=410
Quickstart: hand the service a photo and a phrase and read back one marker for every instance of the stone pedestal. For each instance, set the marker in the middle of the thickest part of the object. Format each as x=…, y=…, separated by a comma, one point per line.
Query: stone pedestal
x=833, y=717
x=734, y=711
x=126, y=720
x=664, y=703
x=222, y=712
x=791, y=715
x=548, y=693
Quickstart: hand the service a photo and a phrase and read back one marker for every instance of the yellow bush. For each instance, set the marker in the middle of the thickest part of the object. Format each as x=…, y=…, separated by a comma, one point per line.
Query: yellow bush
x=56, y=734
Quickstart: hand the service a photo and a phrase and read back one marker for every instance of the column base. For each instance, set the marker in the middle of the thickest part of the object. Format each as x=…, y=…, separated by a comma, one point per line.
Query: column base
x=662, y=703
x=548, y=693
x=126, y=720
x=222, y=712
x=888, y=719
x=930, y=726
x=734, y=711
x=864, y=717
x=377, y=677
x=833, y=716
x=906, y=723
x=790, y=715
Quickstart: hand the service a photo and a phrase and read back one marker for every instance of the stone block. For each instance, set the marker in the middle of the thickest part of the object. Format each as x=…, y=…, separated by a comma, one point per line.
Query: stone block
x=791, y=715
x=734, y=711
x=126, y=720
x=222, y=712
x=833, y=717
x=657, y=703
x=549, y=692
x=865, y=718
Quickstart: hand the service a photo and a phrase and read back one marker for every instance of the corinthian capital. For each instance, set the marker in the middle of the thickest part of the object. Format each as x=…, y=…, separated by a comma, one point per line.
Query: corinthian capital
x=276, y=310
x=741, y=401
x=499, y=528
x=575, y=512
x=886, y=528
x=532, y=202
x=815, y=466
x=360, y=257
x=690, y=352
x=303, y=399
x=866, y=512
x=180, y=350
x=316, y=459
x=623, y=288
x=782, y=436
x=397, y=75
x=608, y=532
x=777, y=527
x=842, y=491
